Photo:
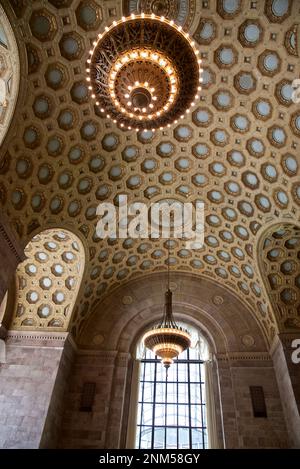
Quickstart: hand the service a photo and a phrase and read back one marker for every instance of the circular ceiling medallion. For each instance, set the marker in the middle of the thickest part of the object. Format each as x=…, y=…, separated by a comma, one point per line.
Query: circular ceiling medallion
x=144, y=72
x=218, y=300
x=127, y=300
x=248, y=340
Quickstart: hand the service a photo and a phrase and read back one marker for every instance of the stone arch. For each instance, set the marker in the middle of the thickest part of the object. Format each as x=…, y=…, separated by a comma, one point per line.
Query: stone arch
x=48, y=281
x=278, y=257
x=120, y=318
x=9, y=74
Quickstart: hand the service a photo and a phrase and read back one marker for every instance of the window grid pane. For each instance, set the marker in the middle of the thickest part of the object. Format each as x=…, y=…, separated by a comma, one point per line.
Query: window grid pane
x=172, y=411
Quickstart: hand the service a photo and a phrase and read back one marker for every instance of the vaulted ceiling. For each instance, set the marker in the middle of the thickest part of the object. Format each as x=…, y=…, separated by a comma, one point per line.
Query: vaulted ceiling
x=238, y=151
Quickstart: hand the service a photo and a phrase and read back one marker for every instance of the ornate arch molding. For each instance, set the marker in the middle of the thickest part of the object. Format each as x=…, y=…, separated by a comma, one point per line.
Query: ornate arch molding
x=13, y=67
x=278, y=259
x=122, y=315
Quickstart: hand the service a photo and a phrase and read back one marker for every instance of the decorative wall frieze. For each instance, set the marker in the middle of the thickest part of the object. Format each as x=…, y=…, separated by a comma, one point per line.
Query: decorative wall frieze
x=38, y=339
x=243, y=357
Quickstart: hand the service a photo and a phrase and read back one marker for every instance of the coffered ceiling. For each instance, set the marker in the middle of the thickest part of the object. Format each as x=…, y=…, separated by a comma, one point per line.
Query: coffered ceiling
x=238, y=151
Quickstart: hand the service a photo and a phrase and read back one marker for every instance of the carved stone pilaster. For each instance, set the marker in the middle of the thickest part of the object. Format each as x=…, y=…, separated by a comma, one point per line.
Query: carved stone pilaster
x=288, y=379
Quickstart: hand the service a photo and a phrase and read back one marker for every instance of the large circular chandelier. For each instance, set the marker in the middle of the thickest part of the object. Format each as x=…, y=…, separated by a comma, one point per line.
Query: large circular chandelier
x=144, y=72
x=167, y=339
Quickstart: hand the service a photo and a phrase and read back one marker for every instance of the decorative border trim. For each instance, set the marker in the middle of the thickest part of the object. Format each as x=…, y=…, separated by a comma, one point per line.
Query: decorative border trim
x=246, y=356
x=38, y=339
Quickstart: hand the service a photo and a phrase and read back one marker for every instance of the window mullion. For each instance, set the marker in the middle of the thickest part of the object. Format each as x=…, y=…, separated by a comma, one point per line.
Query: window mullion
x=154, y=404
x=142, y=402
x=189, y=400
x=201, y=401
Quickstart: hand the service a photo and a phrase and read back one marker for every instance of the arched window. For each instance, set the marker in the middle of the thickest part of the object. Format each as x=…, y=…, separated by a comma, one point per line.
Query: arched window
x=172, y=408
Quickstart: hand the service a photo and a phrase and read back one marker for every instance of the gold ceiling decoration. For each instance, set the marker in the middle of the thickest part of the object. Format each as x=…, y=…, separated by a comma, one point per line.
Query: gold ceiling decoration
x=144, y=72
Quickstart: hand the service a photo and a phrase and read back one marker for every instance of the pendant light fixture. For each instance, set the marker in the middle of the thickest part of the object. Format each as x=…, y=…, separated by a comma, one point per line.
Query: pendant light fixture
x=167, y=340
x=144, y=72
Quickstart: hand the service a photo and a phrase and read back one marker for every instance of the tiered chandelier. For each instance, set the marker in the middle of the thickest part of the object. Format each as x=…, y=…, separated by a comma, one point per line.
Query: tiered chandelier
x=167, y=340
x=144, y=72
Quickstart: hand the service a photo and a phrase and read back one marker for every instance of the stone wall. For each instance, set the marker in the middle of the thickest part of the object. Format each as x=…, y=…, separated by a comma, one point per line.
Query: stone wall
x=103, y=426
x=27, y=380
x=100, y=428
x=288, y=378
x=56, y=409
x=241, y=429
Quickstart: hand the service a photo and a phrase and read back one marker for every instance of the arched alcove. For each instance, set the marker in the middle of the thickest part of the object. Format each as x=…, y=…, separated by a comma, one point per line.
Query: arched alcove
x=48, y=281
x=279, y=263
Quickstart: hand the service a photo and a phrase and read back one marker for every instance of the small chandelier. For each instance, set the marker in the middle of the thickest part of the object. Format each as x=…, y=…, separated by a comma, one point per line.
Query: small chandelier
x=167, y=340
x=144, y=72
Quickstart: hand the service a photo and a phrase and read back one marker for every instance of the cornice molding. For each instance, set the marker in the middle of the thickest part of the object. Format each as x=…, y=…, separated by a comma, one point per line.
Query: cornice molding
x=243, y=356
x=38, y=339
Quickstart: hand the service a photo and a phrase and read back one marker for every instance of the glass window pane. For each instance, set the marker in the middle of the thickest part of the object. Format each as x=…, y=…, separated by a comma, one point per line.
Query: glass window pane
x=171, y=438
x=204, y=415
x=171, y=392
x=159, y=438
x=182, y=372
x=196, y=416
x=160, y=392
x=194, y=353
x=183, y=394
x=197, y=438
x=183, y=438
x=137, y=436
x=171, y=414
x=139, y=414
x=147, y=414
x=148, y=392
x=195, y=393
x=146, y=437
x=149, y=371
x=202, y=372
x=160, y=372
x=205, y=438
x=159, y=414
x=203, y=392
x=183, y=415
x=172, y=373
x=194, y=372
x=183, y=355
